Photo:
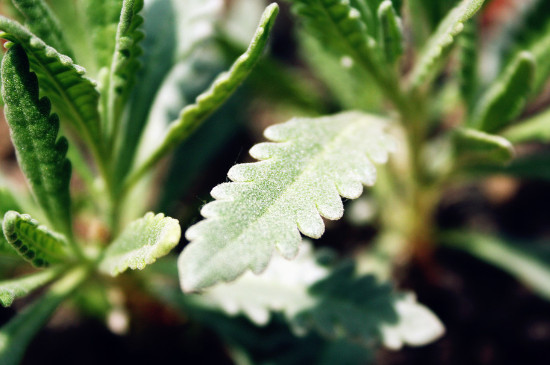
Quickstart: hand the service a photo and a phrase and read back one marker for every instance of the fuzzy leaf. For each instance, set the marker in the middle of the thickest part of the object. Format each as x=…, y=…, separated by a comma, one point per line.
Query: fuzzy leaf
x=41, y=21
x=142, y=243
x=442, y=40
x=102, y=17
x=40, y=153
x=472, y=146
x=530, y=264
x=505, y=98
x=61, y=80
x=34, y=242
x=361, y=308
x=19, y=331
x=125, y=62
x=17, y=288
x=535, y=129
x=7, y=203
x=221, y=89
x=391, y=31
x=299, y=180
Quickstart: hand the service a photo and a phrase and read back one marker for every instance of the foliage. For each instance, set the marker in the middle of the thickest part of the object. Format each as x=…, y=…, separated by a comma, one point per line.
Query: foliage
x=99, y=94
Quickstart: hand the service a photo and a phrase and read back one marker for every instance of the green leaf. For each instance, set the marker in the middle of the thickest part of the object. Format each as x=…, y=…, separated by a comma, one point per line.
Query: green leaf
x=441, y=41
x=42, y=22
x=61, y=80
x=141, y=243
x=102, y=17
x=469, y=60
x=125, y=62
x=224, y=85
x=475, y=147
x=40, y=153
x=535, y=129
x=360, y=308
x=17, y=288
x=34, y=242
x=7, y=203
x=529, y=263
x=391, y=31
x=505, y=98
x=19, y=331
x=269, y=202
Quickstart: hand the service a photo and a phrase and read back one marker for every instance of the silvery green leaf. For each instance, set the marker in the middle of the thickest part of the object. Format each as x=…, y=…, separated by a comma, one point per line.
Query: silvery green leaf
x=16, y=288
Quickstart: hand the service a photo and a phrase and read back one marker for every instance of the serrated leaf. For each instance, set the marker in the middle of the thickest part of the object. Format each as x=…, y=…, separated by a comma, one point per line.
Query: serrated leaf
x=299, y=179
x=61, y=80
x=19, y=331
x=125, y=62
x=442, y=40
x=391, y=31
x=535, y=129
x=17, y=288
x=530, y=264
x=505, y=98
x=221, y=89
x=35, y=243
x=362, y=309
x=42, y=21
x=34, y=130
x=102, y=17
x=141, y=243
x=475, y=147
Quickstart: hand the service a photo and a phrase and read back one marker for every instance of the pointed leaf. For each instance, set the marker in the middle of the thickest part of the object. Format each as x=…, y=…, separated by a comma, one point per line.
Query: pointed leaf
x=391, y=31
x=505, y=98
x=535, y=129
x=125, y=62
x=224, y=85
x=41, y=21
x=442, y=40
x=299, y=180
x=141, y=244
x=17, y=288
x=473, y=147
x=19, y=331
x=529, y=263
x=34, y=130
x=362, y=309
x=34, y=242
x=61, y=80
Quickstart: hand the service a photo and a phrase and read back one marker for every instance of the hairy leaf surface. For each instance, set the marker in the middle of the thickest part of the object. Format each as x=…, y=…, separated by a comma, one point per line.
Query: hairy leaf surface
x=17, y=288
x=7, y=203
x=442, y=40
x=61, y=80
x=141, y=243
x=125, y=62
x=19, y=331
x=221, y=89
x=40, y=153
x=299, y=179
x=34, y=242
x=41, y=21
x=391, y=31
x=505, y=98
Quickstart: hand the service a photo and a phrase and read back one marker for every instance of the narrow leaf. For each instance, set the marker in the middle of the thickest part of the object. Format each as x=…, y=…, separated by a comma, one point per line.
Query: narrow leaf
x=442, y=40
x=61, y=80
x=41, y=21
x=391, y=31
x=17, y=288
x=125, y=62
x=299, y=180
x=530, y=264
x=141, y=244
x=535, y=129
x=224, y=85
x=34, y=242
x=469, y=60
x=475, y=147
x=7, y=203
x=18, y=332
x=505, y=98
x=40, y=153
